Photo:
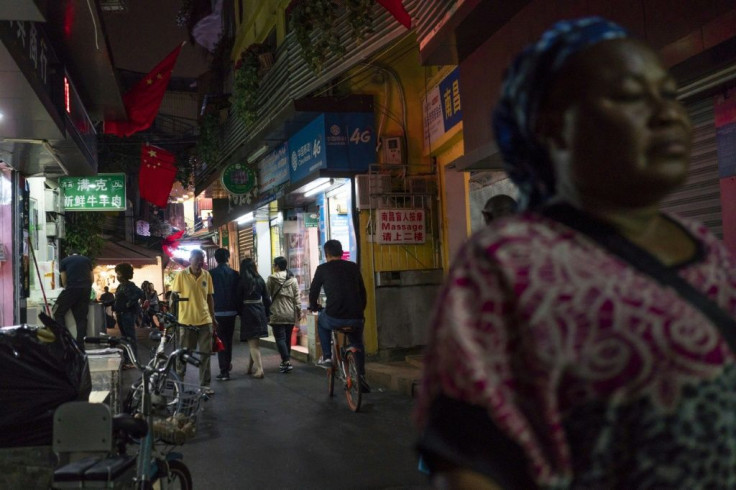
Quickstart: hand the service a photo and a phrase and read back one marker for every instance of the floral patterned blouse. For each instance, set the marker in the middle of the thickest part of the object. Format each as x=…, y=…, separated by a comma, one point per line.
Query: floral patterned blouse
x=553, y=363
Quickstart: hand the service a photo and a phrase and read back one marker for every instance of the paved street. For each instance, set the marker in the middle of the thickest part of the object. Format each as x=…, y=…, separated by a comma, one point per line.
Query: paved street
x=283, y=432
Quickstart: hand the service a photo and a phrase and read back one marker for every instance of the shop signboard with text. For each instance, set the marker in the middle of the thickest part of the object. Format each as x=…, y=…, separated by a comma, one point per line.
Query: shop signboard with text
x=102, y=192
x=334, y=141
x=401, y=226
x=273, y=169
x=442, y=109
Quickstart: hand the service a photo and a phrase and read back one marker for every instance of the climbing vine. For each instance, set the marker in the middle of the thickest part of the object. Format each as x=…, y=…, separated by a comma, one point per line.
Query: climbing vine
x=84, y=233
x=360, y=17
x=246, y=83
x=208, y=143
x=313, y=23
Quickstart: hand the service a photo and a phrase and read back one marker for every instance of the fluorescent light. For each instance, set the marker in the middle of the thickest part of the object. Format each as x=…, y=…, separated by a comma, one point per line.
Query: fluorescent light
x=315, y=183
x=1, y=116
x=246, y=218
x=253, y=156
x=317, y=189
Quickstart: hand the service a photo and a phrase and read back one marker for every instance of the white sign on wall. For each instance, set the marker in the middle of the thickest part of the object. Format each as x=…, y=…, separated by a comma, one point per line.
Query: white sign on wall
x=400, y=226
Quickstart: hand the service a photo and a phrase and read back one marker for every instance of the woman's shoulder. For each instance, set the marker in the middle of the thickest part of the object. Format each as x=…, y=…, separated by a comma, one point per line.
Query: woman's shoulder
x=521, y=231
x=712, y=246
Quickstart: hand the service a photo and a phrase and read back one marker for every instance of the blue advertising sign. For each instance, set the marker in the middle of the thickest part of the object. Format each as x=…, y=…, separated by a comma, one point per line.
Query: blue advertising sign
x=452, y=110
x=351, y=141
x=273, y=170
x=307, y=149
x=335, y=141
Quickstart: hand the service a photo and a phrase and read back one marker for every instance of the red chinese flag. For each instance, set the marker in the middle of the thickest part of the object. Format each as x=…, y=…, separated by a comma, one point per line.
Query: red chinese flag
x=171, y=243
x=396, y=8
x=144, y=99
x=157, y=175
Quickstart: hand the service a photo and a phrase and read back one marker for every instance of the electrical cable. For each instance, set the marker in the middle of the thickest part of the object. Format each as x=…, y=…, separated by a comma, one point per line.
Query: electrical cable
x=94, y=23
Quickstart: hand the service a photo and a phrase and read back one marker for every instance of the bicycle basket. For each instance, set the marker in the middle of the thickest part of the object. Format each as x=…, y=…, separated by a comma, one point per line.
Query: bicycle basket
x=181, y=425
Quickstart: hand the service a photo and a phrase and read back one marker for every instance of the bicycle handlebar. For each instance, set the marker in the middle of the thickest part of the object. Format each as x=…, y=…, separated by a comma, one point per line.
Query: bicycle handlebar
x=184, y=354
x=189, y=359
x=169, y=321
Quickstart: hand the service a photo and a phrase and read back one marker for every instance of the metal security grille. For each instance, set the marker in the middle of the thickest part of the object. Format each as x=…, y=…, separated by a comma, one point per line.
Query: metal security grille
x=700, y=197
x=390, y=187
x=245, y=242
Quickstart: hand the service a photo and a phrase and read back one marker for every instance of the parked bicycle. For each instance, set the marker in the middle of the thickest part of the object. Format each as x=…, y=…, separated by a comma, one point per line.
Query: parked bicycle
x=156, y=427
x=167, y=387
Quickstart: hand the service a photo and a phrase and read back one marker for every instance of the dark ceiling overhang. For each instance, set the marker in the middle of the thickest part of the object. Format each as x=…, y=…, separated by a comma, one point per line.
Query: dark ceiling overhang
x=117, y=252
x=285, y=123
x=33, y=132
x=15, y=10
x=454, y=37
x=485, y=157
x=80, y=39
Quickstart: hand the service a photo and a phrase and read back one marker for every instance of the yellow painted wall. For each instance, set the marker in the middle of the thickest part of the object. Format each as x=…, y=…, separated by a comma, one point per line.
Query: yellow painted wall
x=370, y=332
x=259, y=18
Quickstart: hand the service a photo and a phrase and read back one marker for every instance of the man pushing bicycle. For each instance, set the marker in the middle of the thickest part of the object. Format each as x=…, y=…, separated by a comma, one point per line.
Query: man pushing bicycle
x=346, y=301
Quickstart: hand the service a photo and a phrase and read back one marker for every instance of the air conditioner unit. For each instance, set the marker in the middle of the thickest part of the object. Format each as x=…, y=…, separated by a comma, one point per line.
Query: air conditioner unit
x=51, y=201
x=51, y=229
x=369, y=188
x=56, y=228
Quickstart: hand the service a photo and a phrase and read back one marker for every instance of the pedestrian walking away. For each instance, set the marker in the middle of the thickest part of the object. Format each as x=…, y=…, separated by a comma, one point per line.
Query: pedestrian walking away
x=127, y=308
x=286, y=309
x=346, y=301
x=195, y=284
x=587, y=341
x=108, y=300
x=77, y=278
x=255, y=309
x=225, y=282
x=150, y=305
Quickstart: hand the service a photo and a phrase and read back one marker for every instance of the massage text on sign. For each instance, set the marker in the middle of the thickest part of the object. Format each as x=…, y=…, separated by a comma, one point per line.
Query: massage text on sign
x=398, y=226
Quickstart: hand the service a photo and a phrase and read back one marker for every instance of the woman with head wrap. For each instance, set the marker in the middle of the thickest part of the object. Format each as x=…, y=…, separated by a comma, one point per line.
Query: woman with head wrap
x=588, y=341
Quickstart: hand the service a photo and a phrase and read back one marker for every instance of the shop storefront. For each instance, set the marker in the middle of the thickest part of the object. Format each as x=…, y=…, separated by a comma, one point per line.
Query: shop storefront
x=303, y=197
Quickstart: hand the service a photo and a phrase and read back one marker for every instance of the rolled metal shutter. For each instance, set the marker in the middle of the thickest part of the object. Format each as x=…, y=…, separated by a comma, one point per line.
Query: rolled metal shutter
x=700, y=197
x=245, y=242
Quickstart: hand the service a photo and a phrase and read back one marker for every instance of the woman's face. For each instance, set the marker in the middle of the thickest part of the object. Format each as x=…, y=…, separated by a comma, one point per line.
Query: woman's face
x=623, y=139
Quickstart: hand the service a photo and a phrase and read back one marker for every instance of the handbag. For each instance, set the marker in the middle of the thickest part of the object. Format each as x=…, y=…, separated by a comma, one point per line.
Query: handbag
x=217, y=345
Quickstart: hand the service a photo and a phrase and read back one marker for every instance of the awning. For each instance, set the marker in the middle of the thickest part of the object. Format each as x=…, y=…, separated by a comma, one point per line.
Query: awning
x=118, y=252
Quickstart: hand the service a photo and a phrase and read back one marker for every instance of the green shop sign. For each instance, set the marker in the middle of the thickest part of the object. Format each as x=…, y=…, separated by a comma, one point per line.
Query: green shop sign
x=102, y=192
x=239, y=179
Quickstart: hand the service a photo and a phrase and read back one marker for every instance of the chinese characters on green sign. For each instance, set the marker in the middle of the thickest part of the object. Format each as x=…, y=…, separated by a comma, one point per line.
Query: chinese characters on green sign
x=102, y=192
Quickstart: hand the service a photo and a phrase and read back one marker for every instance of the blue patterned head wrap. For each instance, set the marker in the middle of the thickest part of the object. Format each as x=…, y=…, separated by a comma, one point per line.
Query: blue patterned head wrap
x=525, y=84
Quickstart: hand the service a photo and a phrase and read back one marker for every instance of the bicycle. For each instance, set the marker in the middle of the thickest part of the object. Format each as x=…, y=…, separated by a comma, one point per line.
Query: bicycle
x=155, y=428
x=345, y=366
x=166, y=387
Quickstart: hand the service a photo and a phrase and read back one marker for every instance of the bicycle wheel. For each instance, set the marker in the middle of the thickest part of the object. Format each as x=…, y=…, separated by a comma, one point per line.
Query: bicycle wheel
x=167, y=396
x=179, y=476
x=352, y=384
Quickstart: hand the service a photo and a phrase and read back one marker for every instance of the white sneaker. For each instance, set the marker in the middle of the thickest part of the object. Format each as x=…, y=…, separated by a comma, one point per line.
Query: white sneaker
x=326, y=363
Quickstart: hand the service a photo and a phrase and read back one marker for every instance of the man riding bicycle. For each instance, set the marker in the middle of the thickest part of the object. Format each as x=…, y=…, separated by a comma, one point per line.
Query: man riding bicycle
x=346, y=300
